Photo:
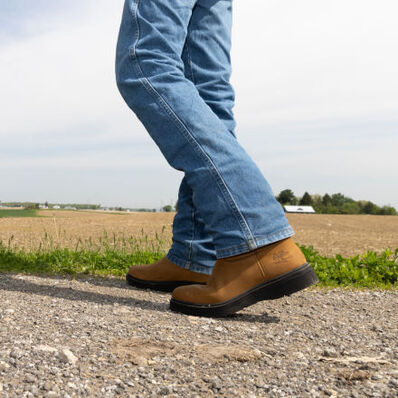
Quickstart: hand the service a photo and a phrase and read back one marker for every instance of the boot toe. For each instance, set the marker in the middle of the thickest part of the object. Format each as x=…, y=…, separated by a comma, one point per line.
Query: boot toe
x=137, y=271
x=187, y=293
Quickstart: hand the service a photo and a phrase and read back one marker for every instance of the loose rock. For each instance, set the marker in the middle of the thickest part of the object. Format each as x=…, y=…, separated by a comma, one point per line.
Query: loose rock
x=67, y=356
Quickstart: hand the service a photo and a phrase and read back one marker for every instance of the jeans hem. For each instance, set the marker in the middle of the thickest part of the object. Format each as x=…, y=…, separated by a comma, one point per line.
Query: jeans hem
x=189, y=265
x=259, y=241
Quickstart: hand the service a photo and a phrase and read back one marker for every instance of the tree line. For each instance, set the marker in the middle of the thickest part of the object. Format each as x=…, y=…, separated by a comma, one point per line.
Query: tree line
x=33, y=205
x=336, y=203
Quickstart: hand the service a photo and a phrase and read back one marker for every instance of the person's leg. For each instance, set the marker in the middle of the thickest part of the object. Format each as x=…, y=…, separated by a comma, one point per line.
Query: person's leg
x=234, y=199
x=207, y=63
x=231, y=194
x=208, y=66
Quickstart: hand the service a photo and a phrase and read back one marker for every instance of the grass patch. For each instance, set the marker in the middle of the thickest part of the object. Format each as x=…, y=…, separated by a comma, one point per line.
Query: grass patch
x=370, y=270
x=18, y=213
x=67, y=261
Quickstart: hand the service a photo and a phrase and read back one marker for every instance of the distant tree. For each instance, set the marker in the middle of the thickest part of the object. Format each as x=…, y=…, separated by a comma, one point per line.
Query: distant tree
x=376, y=210
x=286, y=196
x=317, y=203
x=326, y=200
x=46, y=204
x=306, y=200
x=167, y=208
x=350, y=208
x=316, y=199
x=331, y=210
x=388, y=211
x=338, y=199
x=368, y=208
x=362, y=204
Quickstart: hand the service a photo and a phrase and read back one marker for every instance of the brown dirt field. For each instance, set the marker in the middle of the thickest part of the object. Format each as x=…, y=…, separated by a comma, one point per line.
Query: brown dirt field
x=347, y=235
x=66, y=227
x=329, y=234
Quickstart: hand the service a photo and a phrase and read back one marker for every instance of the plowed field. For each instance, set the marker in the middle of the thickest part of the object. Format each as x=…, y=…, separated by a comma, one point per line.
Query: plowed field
x=329, y=234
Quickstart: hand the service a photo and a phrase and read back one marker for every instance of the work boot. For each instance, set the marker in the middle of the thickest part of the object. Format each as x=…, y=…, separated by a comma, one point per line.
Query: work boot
x=163, y=275
x=266, y=273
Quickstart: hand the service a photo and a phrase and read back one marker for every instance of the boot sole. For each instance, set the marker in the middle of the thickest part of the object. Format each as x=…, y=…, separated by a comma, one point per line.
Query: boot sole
x=161, y=286
x=283, y=285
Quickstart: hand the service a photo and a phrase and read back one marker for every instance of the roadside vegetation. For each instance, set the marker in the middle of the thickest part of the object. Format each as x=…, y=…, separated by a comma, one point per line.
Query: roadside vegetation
x=112, y=256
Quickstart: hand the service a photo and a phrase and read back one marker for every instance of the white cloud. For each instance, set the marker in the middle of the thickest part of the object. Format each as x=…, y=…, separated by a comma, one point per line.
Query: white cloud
x=62, y=78
x=315, y=59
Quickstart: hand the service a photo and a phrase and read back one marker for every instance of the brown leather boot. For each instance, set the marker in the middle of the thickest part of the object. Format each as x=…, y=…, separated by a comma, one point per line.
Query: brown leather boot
x=266, y=273
x=163, y=275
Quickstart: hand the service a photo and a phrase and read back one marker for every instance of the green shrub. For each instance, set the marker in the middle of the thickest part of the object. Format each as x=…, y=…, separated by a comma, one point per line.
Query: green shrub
x=367, y=270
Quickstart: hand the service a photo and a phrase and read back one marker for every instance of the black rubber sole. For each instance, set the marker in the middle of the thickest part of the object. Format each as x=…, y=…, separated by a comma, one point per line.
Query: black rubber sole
x=283, y=285
x=166, y=286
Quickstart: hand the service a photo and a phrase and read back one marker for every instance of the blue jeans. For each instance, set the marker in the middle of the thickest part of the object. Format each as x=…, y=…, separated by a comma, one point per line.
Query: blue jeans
x=173, y=70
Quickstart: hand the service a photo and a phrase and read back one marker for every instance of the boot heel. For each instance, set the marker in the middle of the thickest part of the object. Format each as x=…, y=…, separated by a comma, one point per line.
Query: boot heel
x=289, y=283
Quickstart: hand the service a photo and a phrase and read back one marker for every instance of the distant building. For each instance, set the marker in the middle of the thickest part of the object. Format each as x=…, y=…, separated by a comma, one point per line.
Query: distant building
x=56, y=207
x=299, y=209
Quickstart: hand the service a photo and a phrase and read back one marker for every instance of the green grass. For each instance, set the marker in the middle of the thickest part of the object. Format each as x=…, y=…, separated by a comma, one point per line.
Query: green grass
x=370, y=270
x=67, y=261
x=18, y=213
x=109, y=254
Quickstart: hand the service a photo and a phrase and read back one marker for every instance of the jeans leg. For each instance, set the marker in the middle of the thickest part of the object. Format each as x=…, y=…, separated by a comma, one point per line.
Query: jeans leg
x=230, y=192
x=208, y=66
x=192, y=246
x=207, y=59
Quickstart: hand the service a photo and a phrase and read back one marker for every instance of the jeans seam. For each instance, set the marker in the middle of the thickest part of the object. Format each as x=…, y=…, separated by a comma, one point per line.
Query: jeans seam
x=137, y=32
x=188, y=135
x=193, y=234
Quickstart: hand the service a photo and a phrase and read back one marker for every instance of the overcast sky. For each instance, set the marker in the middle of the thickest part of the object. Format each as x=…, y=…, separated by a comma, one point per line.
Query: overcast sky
x=316, y=102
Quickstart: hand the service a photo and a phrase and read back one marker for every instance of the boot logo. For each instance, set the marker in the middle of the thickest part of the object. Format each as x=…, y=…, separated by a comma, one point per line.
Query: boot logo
x=281, y=256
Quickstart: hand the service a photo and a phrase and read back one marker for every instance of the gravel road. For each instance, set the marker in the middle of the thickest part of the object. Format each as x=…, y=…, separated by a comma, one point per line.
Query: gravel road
x=98, y=338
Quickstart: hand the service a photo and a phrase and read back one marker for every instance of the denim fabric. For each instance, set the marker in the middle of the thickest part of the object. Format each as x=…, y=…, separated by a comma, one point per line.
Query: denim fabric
x=173, y=70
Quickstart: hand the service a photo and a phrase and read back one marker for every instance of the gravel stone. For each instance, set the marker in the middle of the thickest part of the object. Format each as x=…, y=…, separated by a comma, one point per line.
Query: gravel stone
x=99, y=338
x=4, y=366
x=44, y=348
x=67, y=356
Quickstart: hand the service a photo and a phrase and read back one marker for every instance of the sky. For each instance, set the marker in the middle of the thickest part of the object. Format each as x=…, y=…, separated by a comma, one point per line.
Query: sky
x=316, y=102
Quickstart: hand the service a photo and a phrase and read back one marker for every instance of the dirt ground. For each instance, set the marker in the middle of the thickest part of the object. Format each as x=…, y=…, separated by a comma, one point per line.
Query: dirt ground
x=329, y=234
x=92, y=337
x=347, y=235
